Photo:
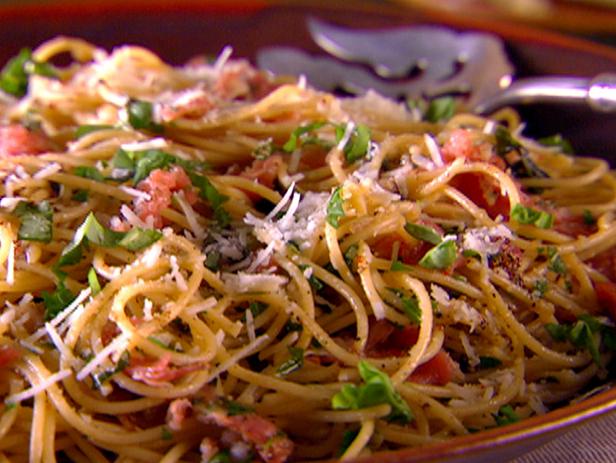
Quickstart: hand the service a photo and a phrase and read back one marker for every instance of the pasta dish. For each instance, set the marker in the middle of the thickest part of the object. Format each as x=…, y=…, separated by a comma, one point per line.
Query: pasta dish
x=209, y=263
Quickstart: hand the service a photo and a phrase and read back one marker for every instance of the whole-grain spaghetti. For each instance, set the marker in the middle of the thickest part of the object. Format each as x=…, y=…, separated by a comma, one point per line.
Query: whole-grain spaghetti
x=207, y=263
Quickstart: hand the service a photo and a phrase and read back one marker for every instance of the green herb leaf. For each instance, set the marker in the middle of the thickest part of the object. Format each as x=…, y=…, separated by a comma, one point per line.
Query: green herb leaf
x=441, y=109
x=236, y=408
x=297, y=136
x=588, y=218
x=358, y=144
x=397, y=266
x=558, y=141
x=98, y=379
x=581, y=334
x=95, y=285
x=165, y=433
x=505, y=141
x=81, y=196
x=529, y=216
x=87, y=129
x=140, y=116
x=216, y=200
x=347, y=439
x=350, y=254
x=423, y=233
x=212, y=260
x=36, y=221
x=292, y=364
x=335, y=211
x=57, y=301
x=377, y=389
x=541, y=286
x=506, y=415
x=486, y=362
x=89, y=172
x=92, y=231
x=138, y=238
x=15, y=74
x=148, y=160
x=440, y=256
x=557, y=265
x=224, y=456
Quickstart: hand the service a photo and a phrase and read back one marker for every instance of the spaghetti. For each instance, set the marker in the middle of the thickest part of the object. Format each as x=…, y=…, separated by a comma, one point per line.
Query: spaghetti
x=193, y=257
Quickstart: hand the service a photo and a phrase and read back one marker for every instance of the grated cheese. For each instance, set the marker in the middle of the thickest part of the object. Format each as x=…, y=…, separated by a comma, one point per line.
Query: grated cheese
x=11, y=203
x=10, y=265
x=48, y=170
x=116, y=345
x=140, y=195
x=133, y=218
x=191, y=216
x=222, y=59
x=456, y=310
x=34, y=390
x=60, y=345
x=489, y=127
x=82, y=296
x=250, y=326
x=176, y=274
x=237, y=356
x=150, y=256
x=487, y=241
x=243, y=282
x=435, y=153
x=154, y=143
x=202, y=306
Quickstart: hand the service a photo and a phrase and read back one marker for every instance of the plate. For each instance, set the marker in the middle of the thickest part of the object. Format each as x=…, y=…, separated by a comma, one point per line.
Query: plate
x=189, y=28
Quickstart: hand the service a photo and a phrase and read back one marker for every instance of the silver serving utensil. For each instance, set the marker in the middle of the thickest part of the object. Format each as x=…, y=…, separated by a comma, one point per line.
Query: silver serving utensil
x=428, y=61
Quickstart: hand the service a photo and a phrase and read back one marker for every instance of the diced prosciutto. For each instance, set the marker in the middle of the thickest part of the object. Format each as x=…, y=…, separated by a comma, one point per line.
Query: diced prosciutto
x=190, y=104
x=271, y=443
x=157, y=372
x=17, y=140
x=9, y=355
x=437, y=371
x=605, y=263
x=160, y=185
x=264, y=171
x=572, y=225
x=238, y=79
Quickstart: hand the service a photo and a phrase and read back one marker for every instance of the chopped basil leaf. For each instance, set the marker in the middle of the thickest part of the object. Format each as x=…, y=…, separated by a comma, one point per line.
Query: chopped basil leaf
x=529, y=216
x=15, y=74
x=92, y=231
x=148, y=160
x=292, y=364
x=298, y=135
x=350, y=254
x=358, y=144
x=410, y=306
x=89, y=172
x=505, y=141
x=397, y=266
x=335, y=211
x=140, y=116
x=541, y=286
x=486, y=362
x=347, y=439
x=138, y=238
x=165, y=433
x=224, y=456
x=257, y=308
x=212, y=260
x=558, y=141
x=581, y=334
x=506, y=415
x=440, y=256
x=95, y=285
x=123, y=160
x=99, y=378
x=36, y=221
x=377, y=389
x=588, y=218
x=81, y=196
x=423, y=233
x=471, y=254
x=441, y=109
x=557, y=265
x=87, y=129
x=57, y=301
x=292, y=326
x=216, y=200
x=236, y=408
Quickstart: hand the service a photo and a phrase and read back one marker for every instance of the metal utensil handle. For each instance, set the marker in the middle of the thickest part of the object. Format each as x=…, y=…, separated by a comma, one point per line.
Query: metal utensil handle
x=599, y=93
